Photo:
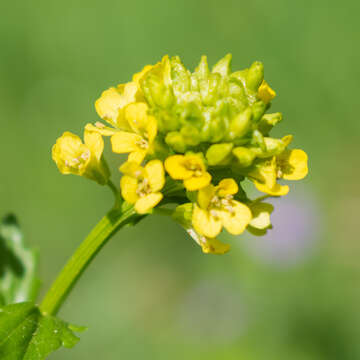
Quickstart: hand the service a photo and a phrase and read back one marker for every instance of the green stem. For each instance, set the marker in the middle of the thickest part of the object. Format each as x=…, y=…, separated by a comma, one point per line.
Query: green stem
x=82, y=257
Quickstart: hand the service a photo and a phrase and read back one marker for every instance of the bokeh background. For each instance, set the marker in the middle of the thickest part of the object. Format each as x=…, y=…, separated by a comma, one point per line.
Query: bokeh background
x=151, y=293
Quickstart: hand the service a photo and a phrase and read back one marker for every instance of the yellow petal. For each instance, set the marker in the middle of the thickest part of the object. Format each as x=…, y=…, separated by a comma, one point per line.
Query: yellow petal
x=132, y=168
x=175, y=166
x=132, y=93
x=213, y=246
x=236, y=222
x=265, y=92
x=265, y=172
x=124, y=142
x=205, y=195
x=94, y=142
x=137, y=77
x=128, y=185
x=261, y=215
x=101, y=129
x=205, y=224
x=107, y=106
x=277, y=190
x=197, y=182
x=293, y=164
x=110, y=107
x=155, y=174
x=136, y=115
x=146, y=203
x=151, y=129
x=227, y=187
x=137, y=156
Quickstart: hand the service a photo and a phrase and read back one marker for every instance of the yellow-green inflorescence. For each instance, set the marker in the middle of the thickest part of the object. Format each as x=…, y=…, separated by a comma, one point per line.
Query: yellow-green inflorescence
x=192, y=138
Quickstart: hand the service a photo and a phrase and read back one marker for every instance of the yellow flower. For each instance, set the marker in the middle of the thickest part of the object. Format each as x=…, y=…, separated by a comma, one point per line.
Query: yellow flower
x=217, y=208
x=265, y=92
x=110, y=106
x=84, y=159
x=138, y=140
x=138, y=143
x=141, y=185
x=289, y=165
x=113, y=101
x=190, y=168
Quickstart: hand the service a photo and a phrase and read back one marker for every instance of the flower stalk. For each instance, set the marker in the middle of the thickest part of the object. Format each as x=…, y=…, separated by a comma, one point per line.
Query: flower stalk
x=113, y=221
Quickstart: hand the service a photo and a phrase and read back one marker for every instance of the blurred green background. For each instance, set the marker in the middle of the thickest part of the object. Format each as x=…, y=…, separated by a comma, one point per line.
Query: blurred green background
x=151, y=293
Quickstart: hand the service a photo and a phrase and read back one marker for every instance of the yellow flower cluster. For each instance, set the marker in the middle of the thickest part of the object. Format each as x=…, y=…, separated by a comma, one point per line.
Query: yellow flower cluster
x=191, y=139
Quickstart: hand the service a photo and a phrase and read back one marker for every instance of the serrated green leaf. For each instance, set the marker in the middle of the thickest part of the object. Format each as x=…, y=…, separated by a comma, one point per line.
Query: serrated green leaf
x=26, y=334
x=18, y=265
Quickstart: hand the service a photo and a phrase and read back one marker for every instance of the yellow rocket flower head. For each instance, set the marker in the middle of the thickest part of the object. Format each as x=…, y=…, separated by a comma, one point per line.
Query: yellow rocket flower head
x=190, y=168
x=72, y=156
x=141, y=185
x=210, y=123
x=216, y=208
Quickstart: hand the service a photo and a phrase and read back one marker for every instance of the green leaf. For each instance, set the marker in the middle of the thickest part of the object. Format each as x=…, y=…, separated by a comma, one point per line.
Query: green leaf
x=26, y=334
x=18, y=265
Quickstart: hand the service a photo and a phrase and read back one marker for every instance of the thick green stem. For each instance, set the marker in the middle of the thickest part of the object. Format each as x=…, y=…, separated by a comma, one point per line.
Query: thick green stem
x=72, y=271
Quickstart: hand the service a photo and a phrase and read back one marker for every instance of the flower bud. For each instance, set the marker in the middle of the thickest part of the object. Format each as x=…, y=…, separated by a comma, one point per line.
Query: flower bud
x=240, y=125
x=258, y=110
x=268, y=121
x=244, y=156
x=175, y=140
x=258, y=140
x=218, y=154
x=190, y=135
x=180, y=76
x=202, y=70
x=223, y=66
x=209, y=89
x=255, y=76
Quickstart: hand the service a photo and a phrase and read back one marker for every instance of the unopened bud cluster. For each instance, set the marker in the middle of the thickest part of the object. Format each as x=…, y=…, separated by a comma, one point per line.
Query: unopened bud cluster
x=192, y=138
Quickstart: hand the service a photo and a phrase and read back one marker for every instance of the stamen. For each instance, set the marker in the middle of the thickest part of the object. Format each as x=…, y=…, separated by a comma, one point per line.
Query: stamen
x=99, y=125
x=143, y=144
x=214, y=213
x=230, y=209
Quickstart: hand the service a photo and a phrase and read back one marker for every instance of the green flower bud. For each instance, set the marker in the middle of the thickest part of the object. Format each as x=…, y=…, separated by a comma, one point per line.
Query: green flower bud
x=183, y=214
x=191, y=135
x=255, y=76
x=244, y=156
x=237, y=91
x=218, y=154
x=202, y=71
x=240, y=125
x=217, y=128
x=180, y=76
x=258, y=110
x=157, y=93
x=268, y=121
x=209, y=89
x=223, y=66
x=175, y=140
x=258, y=139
